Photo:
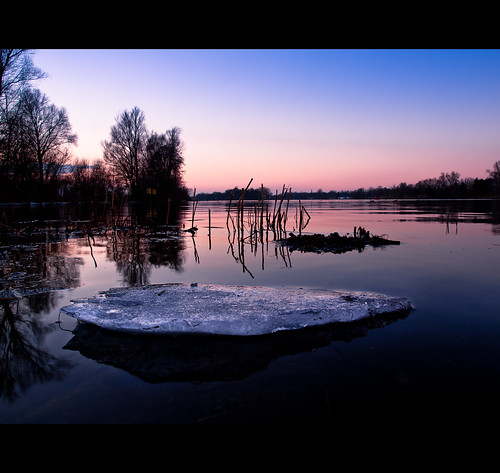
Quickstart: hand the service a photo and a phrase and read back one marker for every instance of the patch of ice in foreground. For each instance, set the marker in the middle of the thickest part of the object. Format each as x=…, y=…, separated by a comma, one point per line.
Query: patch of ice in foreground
x=226, y=310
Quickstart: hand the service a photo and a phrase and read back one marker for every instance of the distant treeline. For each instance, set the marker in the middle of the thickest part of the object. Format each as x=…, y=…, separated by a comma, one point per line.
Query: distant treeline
x=446, y=186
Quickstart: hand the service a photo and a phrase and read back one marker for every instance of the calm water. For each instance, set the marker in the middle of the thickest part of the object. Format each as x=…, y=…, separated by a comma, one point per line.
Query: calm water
x=443, y=359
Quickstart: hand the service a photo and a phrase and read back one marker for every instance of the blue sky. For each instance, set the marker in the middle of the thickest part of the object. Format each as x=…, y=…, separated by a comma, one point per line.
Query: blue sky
x=309, y=119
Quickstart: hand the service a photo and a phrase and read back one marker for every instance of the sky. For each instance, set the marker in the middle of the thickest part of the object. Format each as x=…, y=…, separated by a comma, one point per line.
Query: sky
x=307, y=119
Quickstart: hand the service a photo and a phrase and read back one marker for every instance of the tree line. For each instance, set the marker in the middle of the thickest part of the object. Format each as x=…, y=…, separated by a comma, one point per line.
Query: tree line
x=36, y=139
x=449, y=185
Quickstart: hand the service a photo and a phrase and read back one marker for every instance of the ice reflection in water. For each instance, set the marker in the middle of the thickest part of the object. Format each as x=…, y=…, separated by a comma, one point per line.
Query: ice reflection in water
x=202, y=358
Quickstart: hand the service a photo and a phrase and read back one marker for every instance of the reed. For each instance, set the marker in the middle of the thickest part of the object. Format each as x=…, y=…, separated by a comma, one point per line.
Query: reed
x=229, y=208
x=195, y=205
x=255, y=224
x=169, y=201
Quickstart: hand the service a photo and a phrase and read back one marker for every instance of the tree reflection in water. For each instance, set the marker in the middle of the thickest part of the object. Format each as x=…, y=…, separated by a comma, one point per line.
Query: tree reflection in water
x=135, y=251
x=41, y=262
x=23, y=361
x=39, y=267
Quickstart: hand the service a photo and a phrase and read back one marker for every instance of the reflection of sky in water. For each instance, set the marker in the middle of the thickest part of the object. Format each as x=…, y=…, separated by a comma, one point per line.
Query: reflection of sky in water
x=427, y=247
x=441, y=253
x=446, y=265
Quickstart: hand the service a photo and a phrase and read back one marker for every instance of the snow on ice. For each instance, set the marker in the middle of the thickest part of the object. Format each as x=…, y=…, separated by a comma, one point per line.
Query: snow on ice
x=226, y=310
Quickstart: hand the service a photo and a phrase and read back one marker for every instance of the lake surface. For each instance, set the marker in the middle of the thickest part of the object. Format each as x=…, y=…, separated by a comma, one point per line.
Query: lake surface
x=443, y=359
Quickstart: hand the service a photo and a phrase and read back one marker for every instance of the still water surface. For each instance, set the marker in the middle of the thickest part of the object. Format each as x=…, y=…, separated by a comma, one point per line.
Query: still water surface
x=442, y=359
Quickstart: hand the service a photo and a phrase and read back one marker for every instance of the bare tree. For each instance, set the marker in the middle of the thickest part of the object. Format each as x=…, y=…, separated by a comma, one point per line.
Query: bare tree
x=47, y=130
x=16, y=71
x=448, y=179
x=125, y=150
x=495, y=172
x=164, y=161
x=88, y=182
x=16, y=74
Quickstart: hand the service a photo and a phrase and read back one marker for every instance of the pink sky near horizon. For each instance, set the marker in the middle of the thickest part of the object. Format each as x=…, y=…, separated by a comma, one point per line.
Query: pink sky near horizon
x=307, y=119
x=343, y=168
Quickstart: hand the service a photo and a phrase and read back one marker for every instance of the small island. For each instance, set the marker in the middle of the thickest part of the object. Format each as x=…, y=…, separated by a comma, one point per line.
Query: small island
x=335, y=243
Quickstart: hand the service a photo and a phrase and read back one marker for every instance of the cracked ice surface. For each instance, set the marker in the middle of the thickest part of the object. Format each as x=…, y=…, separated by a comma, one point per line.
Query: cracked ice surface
x=226, y=310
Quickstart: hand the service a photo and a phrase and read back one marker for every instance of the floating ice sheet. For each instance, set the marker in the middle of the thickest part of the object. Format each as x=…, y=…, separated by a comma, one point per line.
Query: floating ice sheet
x=226, y=310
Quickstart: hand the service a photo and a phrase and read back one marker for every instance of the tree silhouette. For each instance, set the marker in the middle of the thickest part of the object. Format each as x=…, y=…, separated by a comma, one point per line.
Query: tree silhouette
x=16, y=72
x=125, y=150
x=164, y=162
x=47, y=129
x=495, y=172
x=16, y=162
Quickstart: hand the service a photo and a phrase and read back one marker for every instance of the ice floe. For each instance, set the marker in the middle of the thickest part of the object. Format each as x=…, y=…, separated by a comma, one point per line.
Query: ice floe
x=226, y=310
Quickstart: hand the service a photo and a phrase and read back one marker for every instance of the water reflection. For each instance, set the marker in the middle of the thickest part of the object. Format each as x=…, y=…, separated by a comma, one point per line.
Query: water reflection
x=24, y=362
x=39, y=253
x=37, y=244
x=136, y=251
x=41, y=267
x=450, y=212
x=449, y=276
x=200, y=358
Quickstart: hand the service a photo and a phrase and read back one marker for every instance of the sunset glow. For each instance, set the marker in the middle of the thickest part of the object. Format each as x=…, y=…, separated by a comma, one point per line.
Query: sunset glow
x=308, y=119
